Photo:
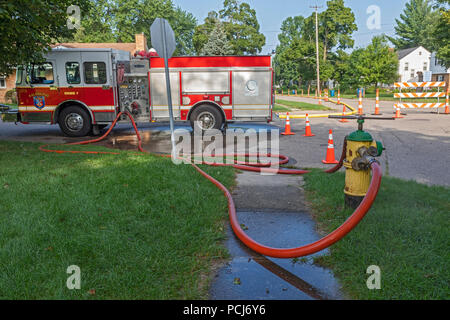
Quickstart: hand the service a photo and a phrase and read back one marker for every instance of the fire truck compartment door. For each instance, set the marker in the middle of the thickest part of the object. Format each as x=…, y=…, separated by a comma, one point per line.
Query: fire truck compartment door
x=206, y=82
x=160, y=105
x=252, y=93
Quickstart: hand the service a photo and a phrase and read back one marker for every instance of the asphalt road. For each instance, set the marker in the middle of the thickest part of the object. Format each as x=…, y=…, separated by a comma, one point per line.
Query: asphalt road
x=417, y=146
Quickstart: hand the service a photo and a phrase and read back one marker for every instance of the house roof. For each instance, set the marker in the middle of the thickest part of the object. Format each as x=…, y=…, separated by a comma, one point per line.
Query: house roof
x=130, y=47
x=404, y=52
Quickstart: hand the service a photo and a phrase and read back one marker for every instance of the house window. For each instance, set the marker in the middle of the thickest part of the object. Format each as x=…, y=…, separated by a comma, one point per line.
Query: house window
x=2, y=83
x=406, y=66
x=73, y=72
x=95, y=72
x=440, y=78
x=425, y=66
x=420, y=53
x=41, y=73
x=412, y=73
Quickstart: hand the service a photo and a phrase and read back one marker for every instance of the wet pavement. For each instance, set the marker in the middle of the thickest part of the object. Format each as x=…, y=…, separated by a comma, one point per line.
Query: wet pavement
x=273, y=211
x=251, y=276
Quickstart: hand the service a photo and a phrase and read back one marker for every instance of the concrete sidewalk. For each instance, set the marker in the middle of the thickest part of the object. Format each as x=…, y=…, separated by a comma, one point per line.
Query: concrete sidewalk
x=272, y=210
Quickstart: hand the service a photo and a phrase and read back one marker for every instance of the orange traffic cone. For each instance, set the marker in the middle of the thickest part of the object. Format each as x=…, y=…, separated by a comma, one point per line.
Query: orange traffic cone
x=397, y=112
x=377, y=104
x=308, y=128
x=339, y=97
x=330, y=159
x=287, y=129
x=343, y=114
x=360, y=107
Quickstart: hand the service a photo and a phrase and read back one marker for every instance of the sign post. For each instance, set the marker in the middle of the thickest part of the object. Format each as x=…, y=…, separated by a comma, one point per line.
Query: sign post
x=163, y=40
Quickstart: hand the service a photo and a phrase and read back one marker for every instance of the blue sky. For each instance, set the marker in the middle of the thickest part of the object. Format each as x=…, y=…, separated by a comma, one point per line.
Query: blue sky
x=271, y=14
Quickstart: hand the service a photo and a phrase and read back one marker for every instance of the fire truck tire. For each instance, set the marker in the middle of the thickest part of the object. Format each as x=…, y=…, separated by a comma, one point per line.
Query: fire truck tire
x=208, y=117
x=74, y=121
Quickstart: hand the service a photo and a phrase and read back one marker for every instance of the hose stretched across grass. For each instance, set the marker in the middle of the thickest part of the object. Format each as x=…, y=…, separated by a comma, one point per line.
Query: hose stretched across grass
x=305, y=250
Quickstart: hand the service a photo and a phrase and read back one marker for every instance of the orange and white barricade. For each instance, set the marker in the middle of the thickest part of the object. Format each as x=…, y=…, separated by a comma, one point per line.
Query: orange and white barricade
x=446, y=110
x=414, y=95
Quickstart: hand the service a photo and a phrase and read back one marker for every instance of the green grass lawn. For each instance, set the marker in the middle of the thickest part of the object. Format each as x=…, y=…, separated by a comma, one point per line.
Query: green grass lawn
x=300, y=105
x=138, y=226
x=280, y=108
x=406, y=234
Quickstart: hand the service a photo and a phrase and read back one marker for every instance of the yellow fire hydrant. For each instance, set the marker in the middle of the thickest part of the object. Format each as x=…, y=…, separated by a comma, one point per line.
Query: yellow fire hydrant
x=361, y=149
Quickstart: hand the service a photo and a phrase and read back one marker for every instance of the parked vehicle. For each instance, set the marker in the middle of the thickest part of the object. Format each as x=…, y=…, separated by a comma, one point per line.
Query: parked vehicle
x=83, y=90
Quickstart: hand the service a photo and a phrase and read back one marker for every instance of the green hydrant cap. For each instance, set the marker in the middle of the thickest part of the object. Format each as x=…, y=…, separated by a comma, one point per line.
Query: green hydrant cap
x=360, y=135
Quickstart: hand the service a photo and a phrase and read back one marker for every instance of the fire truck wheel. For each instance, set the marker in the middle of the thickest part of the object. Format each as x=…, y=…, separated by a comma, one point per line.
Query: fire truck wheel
x=206, y=117
x=75, y=122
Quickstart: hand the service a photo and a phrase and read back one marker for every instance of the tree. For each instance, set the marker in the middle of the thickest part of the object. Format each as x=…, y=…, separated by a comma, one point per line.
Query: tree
x=342, y=71
x=336, y=25
x=184, y=24
x=96, y=24
x=120, y=20
x=242, y=27
x=291, y=29
x=217, y=44
x=28, y=28
x=298, y=63
x=441, y=39
x=416, y=25
x=375, y=64
x=295, y=57
x=202, y=32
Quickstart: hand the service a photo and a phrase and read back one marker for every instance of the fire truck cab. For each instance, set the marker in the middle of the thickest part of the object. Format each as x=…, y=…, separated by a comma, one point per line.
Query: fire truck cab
x=83, y=90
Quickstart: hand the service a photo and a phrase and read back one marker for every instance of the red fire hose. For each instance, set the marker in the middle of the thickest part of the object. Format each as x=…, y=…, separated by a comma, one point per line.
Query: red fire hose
x=311, y=248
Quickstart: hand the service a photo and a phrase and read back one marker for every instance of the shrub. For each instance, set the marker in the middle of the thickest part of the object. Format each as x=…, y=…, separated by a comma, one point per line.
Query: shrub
x=11, y=96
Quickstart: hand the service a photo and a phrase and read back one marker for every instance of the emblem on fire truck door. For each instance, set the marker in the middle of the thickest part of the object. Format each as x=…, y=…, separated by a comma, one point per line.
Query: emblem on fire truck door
x=39, y=102
x=251, y=88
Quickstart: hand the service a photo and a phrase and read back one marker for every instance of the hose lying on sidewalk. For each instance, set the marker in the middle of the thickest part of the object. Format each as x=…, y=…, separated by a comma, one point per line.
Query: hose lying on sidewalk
x=314, y=247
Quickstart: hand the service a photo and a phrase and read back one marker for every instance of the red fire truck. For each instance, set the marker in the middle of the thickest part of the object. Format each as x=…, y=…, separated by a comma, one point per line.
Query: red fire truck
x=84, y=89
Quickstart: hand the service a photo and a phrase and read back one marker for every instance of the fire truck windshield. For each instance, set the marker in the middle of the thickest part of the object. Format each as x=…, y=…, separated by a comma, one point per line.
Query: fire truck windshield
x=19, y=75
x=40, y=73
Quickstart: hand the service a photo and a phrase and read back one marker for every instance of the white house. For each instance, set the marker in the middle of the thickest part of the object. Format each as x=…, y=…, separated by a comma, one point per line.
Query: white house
x=439, y=71
x=412, y=63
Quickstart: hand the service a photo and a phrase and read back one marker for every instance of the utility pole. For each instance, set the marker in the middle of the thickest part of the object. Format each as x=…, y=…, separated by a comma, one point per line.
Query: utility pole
x=317, y=50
